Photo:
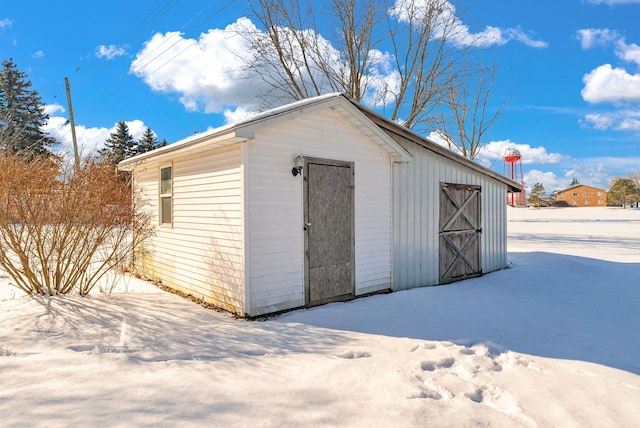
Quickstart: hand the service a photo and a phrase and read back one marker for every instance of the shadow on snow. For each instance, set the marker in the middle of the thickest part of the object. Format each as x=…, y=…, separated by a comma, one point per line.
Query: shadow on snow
x=546, y=304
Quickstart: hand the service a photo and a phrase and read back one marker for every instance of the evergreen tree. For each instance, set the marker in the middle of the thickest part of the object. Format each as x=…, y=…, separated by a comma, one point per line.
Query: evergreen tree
x=147, y=142
x=22, y=115
x=537, y=195
x=120, y=144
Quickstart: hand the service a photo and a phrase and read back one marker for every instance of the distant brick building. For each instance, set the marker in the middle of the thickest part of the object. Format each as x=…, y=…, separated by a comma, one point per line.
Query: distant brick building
x=582, y=196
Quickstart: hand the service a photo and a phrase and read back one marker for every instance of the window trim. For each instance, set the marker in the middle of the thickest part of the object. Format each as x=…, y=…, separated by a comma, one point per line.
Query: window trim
x=162, y=196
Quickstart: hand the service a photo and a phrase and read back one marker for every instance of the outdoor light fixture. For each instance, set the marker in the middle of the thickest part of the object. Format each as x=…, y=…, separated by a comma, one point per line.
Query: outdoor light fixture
x=298, y=164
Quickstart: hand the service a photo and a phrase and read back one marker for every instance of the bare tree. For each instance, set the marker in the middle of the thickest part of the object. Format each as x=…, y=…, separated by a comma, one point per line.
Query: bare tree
x=286, y=56
x=468, y=118
x=354, y=39
x=430, y=55
x=430, y=52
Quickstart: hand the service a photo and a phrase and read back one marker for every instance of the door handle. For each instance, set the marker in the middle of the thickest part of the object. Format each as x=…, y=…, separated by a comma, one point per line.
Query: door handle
x=307, y=226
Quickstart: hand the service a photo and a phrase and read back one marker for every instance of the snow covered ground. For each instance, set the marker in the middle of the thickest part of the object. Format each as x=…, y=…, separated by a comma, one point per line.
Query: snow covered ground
x=552, y=341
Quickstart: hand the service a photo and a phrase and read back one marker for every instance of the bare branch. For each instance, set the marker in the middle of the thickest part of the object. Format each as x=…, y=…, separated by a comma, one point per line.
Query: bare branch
x=468, y=106
x=63, y=228
x=411, y=58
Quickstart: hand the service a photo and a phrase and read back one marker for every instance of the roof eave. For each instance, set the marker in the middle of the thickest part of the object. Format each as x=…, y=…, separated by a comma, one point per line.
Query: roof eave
x=224, y=137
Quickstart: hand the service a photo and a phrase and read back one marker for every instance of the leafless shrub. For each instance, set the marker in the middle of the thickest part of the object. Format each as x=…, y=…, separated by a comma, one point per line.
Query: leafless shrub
x=63, y=228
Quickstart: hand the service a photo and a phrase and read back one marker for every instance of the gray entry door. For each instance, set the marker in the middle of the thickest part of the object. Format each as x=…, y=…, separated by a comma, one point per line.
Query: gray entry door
x=329, y=238
x=460, y=232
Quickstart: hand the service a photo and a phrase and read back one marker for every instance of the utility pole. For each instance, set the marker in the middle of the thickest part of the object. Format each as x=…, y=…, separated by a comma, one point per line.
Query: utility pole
x=73, y=126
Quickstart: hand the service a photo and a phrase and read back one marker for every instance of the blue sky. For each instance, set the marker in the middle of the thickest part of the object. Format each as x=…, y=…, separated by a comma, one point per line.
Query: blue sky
x=569, y=71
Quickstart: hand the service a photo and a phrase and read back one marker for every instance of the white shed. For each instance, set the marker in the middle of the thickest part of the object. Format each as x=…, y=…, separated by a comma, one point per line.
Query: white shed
x=313, y=202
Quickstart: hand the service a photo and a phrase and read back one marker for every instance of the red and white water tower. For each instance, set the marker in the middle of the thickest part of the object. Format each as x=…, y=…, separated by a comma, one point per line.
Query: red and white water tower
x=511, y=159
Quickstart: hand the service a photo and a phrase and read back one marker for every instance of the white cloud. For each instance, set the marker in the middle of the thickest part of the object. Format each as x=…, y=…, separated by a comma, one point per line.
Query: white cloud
x=608, y=84
x=592, y=37
x=38, y=54
x=5, y=23
x=591, y=172
x=628, y=52
x=492, y=154
x=51, y=109
x=210, y=73
x=495, y=150
x=520, y=36
x=237, y=114
x=629, y=124
x=456, y=30
x=437, y=138
x=136, y=128
x=599, y=121
x=90, y=139
x=623, y=120
x=111, y=51
x=548, y=179
x=215, y=73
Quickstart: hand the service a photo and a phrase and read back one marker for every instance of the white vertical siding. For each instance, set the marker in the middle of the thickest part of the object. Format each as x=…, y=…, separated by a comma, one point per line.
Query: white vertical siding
x=203, y=252
x=275, y=209
x=416, y=216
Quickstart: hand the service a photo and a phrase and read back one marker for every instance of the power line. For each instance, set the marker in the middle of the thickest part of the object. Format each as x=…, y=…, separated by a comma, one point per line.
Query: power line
x=117, y=84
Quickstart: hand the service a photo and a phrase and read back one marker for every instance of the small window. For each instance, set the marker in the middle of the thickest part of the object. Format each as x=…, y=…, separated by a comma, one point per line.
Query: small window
x=166, y=195
x=599, y=193
x=586, y=193
x=575, y=193
x=599, y=202
x=575, y=202
x=562, y=194
x=586, y=202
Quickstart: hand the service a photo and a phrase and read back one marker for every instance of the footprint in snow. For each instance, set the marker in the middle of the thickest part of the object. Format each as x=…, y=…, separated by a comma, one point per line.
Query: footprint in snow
x=475, y=396
x=100, y=349
x=422, y=345
x=430, y=366
x=467, y=351
x=500, y=400
x=433, y=391
x=4, y=352
x=352, y=355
